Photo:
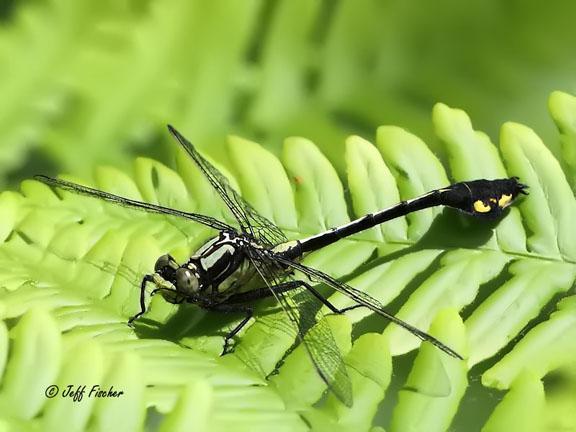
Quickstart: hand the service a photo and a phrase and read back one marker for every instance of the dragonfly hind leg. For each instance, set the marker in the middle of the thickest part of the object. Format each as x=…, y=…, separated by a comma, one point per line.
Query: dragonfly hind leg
x=325, y=301
x=236, y=304
x=261, y=293
x=233, y=308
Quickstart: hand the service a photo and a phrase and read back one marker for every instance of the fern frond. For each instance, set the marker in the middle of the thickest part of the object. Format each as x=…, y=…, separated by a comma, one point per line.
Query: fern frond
x=71, y=267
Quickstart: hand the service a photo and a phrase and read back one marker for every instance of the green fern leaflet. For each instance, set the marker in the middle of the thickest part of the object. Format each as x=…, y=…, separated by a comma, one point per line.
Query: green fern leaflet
x=70, y=269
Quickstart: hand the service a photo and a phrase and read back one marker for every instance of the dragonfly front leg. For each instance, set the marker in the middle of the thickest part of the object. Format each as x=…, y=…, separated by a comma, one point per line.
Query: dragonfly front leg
x=145, y=280
x=169, y=294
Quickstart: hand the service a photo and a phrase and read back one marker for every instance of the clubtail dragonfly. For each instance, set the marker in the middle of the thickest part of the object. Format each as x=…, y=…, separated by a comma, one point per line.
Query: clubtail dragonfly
x=213, y=276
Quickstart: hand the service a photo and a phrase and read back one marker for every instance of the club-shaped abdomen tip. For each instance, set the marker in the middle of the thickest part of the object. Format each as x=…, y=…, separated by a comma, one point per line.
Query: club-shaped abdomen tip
x=509, y=192
x=520, y=187
x=491, y=197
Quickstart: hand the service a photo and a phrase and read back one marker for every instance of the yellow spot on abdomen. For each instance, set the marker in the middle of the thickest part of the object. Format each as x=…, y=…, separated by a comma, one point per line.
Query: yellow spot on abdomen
x=480, y=207
x=504, y=201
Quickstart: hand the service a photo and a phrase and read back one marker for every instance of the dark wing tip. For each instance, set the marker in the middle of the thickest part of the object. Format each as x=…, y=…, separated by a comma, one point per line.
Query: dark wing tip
x=43, y=179
x=181, y=139
x=173, y=130
x=176, y=134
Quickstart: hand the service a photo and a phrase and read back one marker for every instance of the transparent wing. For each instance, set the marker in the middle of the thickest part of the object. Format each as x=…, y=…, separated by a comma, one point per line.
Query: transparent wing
x=126, y=202
x=251, y=222
x=301, y=307
x=121, y=270
x=364, y=300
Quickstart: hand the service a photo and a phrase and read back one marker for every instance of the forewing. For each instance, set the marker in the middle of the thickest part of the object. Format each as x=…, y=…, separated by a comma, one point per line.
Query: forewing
x=365, y=300
x=316, y=336
x=126, y=202
x=251, y=222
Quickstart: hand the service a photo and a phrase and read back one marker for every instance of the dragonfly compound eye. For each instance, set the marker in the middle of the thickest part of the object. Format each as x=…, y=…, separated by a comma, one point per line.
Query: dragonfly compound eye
x=186, y=281
x=163, y=262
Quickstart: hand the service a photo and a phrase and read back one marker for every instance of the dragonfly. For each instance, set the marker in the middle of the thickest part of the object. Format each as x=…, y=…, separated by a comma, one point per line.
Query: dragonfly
x=215, y=276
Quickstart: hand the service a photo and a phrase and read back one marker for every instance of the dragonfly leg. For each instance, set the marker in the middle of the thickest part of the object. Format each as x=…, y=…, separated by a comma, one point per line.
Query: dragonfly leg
x=145, y=280
x=157, y=290
x=260, y=293
x=348, y=308
x=325, y=301
x=232, y=308
x=236, y=303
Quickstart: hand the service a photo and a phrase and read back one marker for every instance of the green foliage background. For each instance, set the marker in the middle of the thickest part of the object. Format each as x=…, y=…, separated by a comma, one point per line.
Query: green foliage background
x=91, y=84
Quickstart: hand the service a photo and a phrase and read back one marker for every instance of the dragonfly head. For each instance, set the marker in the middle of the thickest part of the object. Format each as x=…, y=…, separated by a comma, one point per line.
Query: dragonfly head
x=166, y=267
x=184, y=278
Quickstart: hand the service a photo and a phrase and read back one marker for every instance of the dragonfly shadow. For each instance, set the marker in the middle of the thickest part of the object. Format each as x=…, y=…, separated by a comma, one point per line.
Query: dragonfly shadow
x=452, y=229
x=188, y=320
x=192, y=321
